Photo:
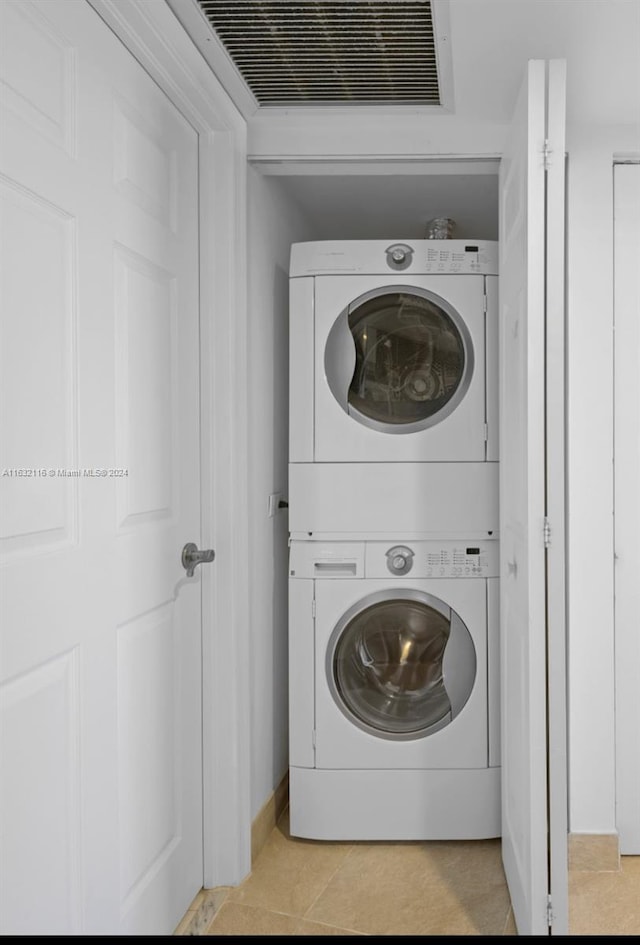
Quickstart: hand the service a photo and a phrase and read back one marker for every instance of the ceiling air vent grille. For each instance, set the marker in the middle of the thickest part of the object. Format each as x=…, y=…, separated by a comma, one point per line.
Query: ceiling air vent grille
x=328, y=53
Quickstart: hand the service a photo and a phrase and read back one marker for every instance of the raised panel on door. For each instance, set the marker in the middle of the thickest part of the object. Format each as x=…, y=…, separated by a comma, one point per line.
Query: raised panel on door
x=37, y=358
x=48, y=106
x=149, y=748
x=40, y=750
x=145, y=163
x=146, y=373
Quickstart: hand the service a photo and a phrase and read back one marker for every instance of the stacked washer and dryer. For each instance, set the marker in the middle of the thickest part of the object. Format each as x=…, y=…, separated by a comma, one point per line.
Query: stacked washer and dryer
x=393, y=516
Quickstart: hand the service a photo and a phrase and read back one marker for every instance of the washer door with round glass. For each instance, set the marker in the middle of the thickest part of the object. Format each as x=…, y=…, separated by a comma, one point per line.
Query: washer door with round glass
x=401, y=674
x=401, y=667
x=400, y=370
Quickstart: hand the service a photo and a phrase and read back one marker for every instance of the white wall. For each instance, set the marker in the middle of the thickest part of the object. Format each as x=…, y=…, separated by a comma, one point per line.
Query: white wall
x=590, y=463
x=376, y=133
x=274, y=223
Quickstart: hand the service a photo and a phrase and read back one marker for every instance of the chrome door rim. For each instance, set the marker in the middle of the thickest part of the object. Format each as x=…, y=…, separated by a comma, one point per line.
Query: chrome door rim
x=459, y=635
x=336, y=379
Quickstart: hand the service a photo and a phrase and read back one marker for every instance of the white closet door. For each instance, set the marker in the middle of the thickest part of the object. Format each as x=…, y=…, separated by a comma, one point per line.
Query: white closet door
x=627, y=501
x=528, y=708
x=101, y=770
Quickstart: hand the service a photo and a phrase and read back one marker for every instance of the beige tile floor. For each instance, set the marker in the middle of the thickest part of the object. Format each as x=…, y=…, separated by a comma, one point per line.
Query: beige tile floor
x=606, y=903
x=304, y=887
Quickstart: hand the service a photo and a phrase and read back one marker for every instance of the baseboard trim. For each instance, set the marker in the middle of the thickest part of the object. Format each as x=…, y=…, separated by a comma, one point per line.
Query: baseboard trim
x=268, y=816
x=200, y=914
x=594, y=852
x=203, y=908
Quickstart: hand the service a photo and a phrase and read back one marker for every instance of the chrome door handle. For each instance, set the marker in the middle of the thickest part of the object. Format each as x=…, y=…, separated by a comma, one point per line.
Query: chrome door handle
x=192, y=557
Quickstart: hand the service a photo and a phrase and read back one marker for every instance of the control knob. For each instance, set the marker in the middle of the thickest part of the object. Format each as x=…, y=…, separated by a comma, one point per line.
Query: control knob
x=399, y=559
x=399, y=255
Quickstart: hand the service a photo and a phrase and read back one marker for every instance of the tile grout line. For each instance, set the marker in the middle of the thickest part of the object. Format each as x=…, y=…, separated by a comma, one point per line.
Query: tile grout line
x=337, y=928
x=324, y=889
x=287, y=915
x=506, y=921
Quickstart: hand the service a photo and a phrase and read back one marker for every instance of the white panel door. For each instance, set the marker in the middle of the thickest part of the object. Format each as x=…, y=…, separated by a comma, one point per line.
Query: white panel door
x=528, y=573
x=100, y=663
x=627, y=501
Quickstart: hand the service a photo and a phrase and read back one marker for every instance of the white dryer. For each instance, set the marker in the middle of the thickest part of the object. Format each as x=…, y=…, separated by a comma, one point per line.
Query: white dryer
x=393, y=351
x=394, y=702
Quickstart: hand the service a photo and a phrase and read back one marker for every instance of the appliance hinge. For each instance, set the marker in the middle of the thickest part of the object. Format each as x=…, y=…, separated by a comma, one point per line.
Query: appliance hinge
x=550, y=915
x=486, y=432
x=546, y=532
x=313, y=608
x=313, y=738
x=485, y=304
x=546, y=154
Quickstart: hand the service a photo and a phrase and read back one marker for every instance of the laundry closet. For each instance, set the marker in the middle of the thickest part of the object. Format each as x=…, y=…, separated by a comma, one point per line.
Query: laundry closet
x=352, y=201
x=387, y=204
x=393, y=487
x=346, y=762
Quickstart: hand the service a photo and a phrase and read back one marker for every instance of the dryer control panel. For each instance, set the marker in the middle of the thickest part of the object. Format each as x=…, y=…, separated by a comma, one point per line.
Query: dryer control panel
x=462, y=258
x=411, y=257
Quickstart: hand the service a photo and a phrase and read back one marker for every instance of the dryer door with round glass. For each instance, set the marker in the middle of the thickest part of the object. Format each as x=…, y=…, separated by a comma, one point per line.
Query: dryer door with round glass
x=413, y=360
x=400, y=370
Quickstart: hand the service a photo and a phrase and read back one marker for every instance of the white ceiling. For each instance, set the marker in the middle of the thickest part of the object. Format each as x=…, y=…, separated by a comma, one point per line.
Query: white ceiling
x=491, y=40
x=600, y=39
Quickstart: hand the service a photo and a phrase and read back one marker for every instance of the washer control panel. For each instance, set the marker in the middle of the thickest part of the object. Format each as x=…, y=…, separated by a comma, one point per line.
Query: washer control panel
x=349, y=560
x=463, y=561
x=441, y=559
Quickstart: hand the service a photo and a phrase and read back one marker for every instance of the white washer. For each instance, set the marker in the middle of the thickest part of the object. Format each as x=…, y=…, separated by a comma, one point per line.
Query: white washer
x=393, y=351
x=394, y=702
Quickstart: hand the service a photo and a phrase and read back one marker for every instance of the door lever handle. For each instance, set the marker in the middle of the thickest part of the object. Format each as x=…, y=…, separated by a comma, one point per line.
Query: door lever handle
x=192, y=557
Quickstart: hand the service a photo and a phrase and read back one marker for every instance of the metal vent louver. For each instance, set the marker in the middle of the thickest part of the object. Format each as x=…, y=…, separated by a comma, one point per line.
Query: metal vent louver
x=326, y=53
